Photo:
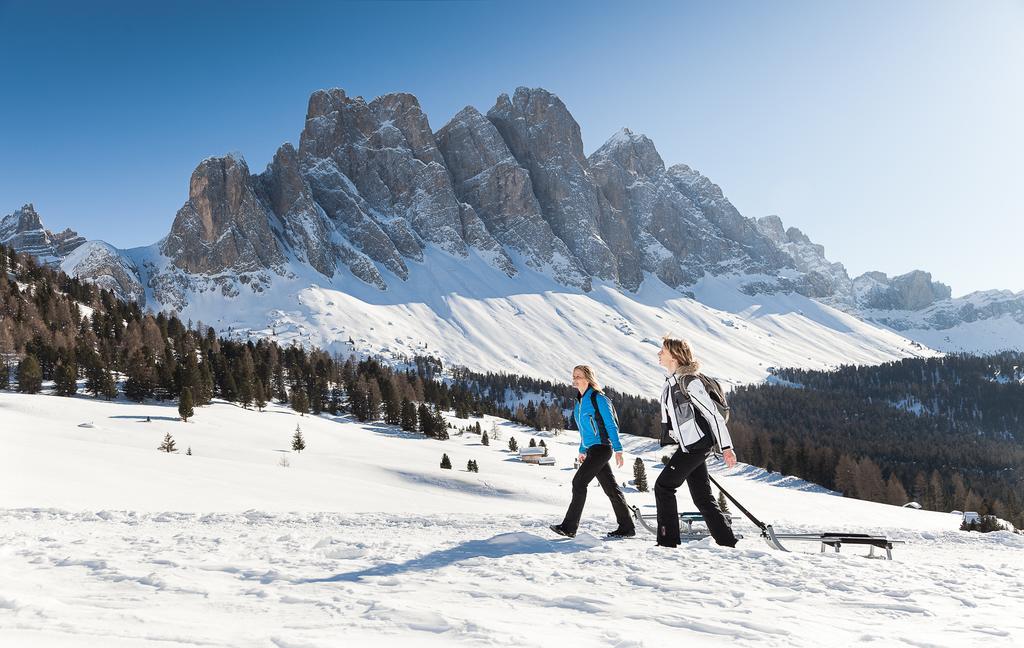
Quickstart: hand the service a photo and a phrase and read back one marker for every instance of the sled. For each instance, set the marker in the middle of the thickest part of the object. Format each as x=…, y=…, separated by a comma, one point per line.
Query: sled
x=686, y=519
x=834, y=540
x=829, y=539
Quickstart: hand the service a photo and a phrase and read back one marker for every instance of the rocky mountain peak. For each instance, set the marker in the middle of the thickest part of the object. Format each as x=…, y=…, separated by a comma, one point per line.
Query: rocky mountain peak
x=631, y=151
x=23, y=230
x=224, y=225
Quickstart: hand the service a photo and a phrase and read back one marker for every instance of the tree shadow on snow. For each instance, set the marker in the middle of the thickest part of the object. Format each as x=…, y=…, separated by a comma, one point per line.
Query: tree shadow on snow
x=142, y=419
x=505, y=544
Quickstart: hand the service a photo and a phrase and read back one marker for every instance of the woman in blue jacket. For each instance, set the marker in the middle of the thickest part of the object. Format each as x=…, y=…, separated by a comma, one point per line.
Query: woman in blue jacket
x=599, y=437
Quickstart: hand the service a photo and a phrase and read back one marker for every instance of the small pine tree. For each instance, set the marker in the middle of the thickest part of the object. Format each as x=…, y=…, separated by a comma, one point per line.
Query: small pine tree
x=446, y=463
x=298, y=443
x=545, y=446
x=5, y=373
x=512, y=445
x=168, y=444
x=469, y=466
x=640, y=475
x=495, y=432
x=189, y=451
x=484, y=439
x=533, y=442
x=185, y=410
x=723, y=504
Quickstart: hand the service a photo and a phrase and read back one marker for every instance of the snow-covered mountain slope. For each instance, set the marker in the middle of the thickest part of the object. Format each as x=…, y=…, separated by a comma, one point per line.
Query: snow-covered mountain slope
x=106, y=541
x=468, y=313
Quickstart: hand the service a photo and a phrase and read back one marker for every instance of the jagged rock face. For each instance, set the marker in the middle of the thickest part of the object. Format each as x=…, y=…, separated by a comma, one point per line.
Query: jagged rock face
x=545, y=140
x=105, y=266
x=350, y=216
x=305, y=226
x=822, y=279
x=23, y=230
x=487, y=177
x=764, y=257
x=387, y=150
x=224, y=226
x=912, y=291
x=675, y=239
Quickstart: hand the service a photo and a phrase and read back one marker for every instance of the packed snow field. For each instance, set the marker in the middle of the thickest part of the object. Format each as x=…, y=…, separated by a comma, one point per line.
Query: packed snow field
x=104, y=541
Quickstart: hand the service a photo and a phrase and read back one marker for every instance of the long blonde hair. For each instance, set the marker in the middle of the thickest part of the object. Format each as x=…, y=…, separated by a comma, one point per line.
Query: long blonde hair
x=682, y=353
x=588, y=373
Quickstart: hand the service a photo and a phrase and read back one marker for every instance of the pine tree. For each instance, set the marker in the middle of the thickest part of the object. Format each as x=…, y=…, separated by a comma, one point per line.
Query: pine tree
x=139, y=383
x=440, y=425
x=446, y=463
x=185, y=410
x=408, y=415
x=259, y=396
x=846, y=476
x=894, y=491
x=426, y=420
x=533, y=442
x=108, y=385
x=512, y=445
x=168, y=444
x=373, y=400
x=65, y=380
x=5, y=372
x=723, y=504
x=640, y=475
x=298, y=443
x=392, y=404
x=299, y=401
x=484, y=439
x=189, y=451
x=30, y=375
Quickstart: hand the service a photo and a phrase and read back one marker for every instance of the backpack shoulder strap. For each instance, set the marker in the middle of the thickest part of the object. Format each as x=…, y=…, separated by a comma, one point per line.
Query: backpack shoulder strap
x=601, y=429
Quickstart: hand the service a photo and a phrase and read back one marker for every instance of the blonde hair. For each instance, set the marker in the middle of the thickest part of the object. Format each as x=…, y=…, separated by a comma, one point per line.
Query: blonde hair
x=682, y=353
x=588, y=373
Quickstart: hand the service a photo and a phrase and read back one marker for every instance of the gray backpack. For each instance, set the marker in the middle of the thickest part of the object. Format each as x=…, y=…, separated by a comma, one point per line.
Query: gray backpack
x=714, y=390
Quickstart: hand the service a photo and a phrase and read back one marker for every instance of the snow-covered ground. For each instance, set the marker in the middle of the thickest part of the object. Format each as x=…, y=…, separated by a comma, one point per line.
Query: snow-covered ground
x=104, y=541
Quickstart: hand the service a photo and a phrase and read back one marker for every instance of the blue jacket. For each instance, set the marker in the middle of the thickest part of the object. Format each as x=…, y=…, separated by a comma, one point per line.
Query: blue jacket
x=588, y=425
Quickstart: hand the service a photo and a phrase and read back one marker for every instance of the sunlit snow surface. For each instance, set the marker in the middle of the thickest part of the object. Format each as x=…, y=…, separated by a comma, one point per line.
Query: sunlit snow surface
x=104, y=541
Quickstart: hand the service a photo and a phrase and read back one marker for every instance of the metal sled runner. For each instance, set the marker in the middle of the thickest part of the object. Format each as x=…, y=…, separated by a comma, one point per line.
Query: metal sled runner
x=834, y=540
x=686, y=520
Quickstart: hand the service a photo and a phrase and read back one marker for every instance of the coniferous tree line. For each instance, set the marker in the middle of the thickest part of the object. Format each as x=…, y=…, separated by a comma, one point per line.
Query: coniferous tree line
x=945, y=432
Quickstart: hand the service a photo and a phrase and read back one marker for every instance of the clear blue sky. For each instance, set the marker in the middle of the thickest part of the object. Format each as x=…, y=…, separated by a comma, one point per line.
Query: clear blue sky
x=890, y=132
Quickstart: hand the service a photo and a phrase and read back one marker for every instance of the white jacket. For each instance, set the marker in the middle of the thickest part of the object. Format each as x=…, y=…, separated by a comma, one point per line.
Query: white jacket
x=677, y=413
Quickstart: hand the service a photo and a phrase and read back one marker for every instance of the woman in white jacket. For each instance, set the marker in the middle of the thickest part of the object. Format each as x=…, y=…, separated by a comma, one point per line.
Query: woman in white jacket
x=692, y=420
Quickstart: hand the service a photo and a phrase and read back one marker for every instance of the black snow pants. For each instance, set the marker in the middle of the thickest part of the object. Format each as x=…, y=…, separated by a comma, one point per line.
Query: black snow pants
x=596, y=465
x=688, y=467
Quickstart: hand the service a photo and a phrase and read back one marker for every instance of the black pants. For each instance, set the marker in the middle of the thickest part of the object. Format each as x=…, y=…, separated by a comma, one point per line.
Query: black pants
x=688, y=467
x=596, y=465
